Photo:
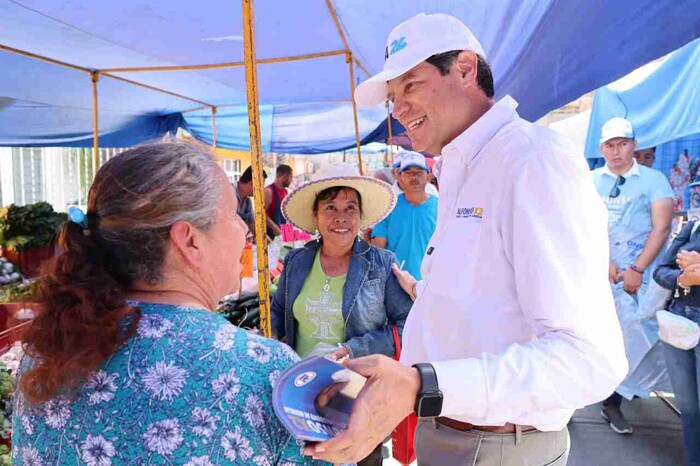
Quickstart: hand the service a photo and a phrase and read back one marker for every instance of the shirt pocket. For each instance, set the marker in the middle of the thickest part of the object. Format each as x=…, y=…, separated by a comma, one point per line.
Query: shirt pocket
x=456, y=260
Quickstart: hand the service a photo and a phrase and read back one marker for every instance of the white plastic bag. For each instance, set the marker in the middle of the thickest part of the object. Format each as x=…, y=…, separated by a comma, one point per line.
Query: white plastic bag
x=678, y=331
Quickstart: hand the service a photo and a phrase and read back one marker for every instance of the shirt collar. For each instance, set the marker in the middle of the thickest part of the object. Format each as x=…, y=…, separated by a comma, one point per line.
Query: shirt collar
x=634, y=171
x=473, y=139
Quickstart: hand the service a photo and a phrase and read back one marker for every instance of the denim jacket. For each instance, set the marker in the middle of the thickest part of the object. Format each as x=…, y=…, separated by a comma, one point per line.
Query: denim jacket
x=373, y=300
x=667, y=273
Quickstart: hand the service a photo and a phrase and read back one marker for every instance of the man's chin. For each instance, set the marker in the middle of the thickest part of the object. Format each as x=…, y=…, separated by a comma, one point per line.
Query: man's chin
x=425, y=146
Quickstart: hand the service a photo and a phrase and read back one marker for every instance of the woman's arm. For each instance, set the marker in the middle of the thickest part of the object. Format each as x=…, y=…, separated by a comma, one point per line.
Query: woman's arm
x=278, y=304
x=666, y=274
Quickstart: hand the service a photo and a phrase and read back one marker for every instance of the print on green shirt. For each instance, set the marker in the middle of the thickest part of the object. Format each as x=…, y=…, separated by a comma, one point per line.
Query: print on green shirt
x=318, y=311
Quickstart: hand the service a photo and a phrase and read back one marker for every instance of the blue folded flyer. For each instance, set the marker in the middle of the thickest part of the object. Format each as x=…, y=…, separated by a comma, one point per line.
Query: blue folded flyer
x=313, y=398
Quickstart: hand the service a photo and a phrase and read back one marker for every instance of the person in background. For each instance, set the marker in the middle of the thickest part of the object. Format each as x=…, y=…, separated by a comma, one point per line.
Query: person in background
x=679, y=270
x=514, y=326
x=630, y=190
x=274, y=195
x=126, y=362
x=244, y=190
x=646, y=157
x=432, y=177
x=396, y=171
x=338, y=294
x=408, y=228
x=385, y=175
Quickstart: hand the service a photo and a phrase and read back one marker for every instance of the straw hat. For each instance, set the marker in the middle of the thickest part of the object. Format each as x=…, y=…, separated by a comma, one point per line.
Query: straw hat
x=378, y=197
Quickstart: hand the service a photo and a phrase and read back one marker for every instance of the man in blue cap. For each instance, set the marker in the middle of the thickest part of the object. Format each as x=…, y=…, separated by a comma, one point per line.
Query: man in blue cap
x=407, y=230
x=396, y=171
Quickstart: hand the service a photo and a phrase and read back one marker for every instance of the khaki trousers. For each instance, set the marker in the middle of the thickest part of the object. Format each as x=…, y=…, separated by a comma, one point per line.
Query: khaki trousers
x=439, y=445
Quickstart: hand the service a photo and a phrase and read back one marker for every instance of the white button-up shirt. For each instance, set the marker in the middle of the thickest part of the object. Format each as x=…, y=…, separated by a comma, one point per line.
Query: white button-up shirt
x=515, y=311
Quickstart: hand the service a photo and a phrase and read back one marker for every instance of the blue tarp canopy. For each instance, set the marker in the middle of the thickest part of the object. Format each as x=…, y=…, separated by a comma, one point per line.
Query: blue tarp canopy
x=544, y=52
x=664, y=108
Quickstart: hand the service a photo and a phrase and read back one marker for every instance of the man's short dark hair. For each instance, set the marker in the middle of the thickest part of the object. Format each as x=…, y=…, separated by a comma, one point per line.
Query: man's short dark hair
x=283, y=170
x=484, y=76
x=247, y=175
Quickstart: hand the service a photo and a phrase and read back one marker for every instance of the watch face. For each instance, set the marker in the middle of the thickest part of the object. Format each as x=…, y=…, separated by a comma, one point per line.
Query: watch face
x=430, y=405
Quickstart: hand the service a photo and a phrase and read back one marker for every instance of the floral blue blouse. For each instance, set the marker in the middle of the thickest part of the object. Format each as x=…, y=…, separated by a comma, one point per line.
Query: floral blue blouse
x=189, y=388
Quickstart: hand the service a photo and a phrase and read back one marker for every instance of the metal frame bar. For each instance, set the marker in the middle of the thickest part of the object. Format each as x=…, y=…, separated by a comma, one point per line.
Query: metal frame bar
x=251, y=75
x=668, y=403
x=217, y=66
x=213, y=126
x=95, y=77
x=351, y=64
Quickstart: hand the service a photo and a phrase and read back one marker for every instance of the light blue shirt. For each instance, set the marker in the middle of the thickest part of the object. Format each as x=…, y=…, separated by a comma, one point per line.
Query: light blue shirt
x=639, y=181
x=408, y=229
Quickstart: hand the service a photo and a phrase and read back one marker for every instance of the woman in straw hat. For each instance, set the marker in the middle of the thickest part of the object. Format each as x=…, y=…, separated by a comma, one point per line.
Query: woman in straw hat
x=337, y=295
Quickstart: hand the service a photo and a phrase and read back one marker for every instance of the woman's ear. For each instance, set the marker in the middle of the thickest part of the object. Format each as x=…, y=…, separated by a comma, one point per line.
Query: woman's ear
x=186, y=240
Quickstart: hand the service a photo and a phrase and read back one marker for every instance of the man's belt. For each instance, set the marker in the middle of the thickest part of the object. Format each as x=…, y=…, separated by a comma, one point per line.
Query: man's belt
x=465, y=426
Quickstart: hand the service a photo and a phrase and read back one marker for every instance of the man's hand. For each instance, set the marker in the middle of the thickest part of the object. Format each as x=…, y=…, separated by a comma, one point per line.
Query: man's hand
x=613, y=273
x=405, y=279
x=632, y=281
x=685, y=259
x=386, y=399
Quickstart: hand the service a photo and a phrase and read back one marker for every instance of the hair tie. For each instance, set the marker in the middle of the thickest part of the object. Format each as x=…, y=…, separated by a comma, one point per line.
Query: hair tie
x=78, y=217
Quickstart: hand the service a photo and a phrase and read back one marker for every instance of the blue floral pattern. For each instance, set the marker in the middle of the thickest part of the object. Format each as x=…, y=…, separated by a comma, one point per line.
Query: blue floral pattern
x=189, y=388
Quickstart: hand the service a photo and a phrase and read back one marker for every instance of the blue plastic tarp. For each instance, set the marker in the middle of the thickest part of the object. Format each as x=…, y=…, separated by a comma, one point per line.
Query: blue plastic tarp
x=543, y=52
x=663, y=107
x=291, y=128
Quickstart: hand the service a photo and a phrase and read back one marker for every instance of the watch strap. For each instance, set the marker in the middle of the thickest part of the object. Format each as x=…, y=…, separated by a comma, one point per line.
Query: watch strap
x=429, y=400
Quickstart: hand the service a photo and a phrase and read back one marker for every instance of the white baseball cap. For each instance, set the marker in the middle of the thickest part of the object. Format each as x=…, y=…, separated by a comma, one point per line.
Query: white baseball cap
x=413, y=159
x=412, y=42
x=616, y=128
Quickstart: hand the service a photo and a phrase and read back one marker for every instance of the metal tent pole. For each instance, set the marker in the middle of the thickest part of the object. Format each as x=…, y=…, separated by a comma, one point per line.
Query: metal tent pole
x=251, y=75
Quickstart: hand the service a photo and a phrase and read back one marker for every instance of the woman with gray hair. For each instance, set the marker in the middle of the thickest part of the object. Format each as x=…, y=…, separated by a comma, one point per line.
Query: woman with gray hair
x=126, y=362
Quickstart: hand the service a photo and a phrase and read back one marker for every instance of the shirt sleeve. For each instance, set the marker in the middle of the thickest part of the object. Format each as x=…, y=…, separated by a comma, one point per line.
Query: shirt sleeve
x=381, y=229
x=662, y=188
x=667, y=273
x=554, y=233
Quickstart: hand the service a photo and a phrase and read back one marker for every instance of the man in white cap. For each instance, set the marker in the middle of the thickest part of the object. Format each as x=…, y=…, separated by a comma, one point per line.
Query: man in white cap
x=513, y=326
x=408, y=228
x=640, y=210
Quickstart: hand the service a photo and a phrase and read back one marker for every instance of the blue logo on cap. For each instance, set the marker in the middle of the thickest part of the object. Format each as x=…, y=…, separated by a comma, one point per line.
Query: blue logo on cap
x=395, y=46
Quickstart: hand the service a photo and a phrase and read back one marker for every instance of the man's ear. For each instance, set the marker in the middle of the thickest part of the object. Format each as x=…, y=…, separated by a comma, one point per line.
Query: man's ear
x=186, y=241
x=466, y=64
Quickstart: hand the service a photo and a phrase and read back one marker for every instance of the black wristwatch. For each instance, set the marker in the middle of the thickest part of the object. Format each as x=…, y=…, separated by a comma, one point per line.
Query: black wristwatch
x=429, y=401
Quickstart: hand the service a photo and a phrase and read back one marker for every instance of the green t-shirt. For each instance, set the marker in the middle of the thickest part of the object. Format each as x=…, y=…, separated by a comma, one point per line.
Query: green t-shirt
x=318, y=311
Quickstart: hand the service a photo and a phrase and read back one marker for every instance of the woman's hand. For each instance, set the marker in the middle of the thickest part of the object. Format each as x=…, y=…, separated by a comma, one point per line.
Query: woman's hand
x=690, y=276
x=406, y=280
x=338, y=355
x=685, y=259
